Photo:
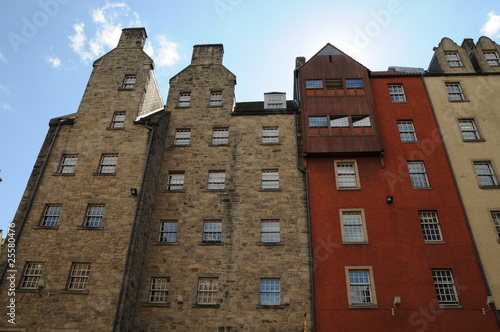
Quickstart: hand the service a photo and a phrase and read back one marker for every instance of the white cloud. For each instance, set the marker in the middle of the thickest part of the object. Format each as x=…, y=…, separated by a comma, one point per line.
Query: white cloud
x=6, y=107
x=168, y=53
x=54, y=61
x=492, y=27
x=4, y=90
x=2, y=58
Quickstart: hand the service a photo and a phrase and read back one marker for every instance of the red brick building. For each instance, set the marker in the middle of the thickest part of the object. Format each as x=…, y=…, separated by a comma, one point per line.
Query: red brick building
x=391, y=246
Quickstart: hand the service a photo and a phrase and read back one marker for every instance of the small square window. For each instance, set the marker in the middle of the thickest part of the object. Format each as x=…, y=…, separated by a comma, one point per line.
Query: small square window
x=51, y=215
x=495, y=217
x=430, y=226
x=270, y=135
x=354, y=83
x=469, y=130
x=182, y=137
x=455, y=92
x=492, y=58
x=453, y=59
x=108, y=164
x=31, y=275
x=353, y=226
x=207, y=291
x=216, y=180
x=184, y=99
x=318, y=121
x=175, y=181
x=445, y=287
x=407, y=131
x=485, y=174
x=158, y=291
x=314, y=84
x=220, y=136
x=397, y=93
x=95, y=216
x=129, y=82
x=346, y=175
x=270, y=292
x=67, y=165
x=270, y=231
x=79, y=276
x=361, y=289
x=168, y=231
x=216, y=98
x=212, y=231
x=118, y=120
x=418, y=175
x=270, y=179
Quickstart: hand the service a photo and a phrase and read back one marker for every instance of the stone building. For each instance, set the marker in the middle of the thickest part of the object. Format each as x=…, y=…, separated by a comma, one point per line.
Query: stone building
x=145, y=217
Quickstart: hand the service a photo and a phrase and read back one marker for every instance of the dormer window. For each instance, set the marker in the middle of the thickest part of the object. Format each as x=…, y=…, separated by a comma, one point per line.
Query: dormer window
x=274, y=100
x=492, y=58
x=453, y=59
x=129, y=82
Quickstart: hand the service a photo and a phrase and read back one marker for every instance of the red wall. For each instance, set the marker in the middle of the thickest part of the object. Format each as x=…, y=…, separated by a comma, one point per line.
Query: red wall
x=400, y=259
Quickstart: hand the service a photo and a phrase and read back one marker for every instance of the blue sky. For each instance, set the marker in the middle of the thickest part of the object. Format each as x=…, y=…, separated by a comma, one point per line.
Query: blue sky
x=47, y=48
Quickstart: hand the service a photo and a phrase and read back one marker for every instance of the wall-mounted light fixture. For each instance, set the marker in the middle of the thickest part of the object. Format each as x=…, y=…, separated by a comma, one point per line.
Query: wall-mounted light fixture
x=133, y=191
x=490, y=302
x=390, y=199
x=397, y=302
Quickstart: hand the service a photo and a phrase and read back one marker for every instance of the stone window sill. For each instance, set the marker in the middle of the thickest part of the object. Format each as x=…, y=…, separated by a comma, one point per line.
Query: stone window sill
x=196, y=305
x=271, y=244
x=150, y=304
x=276, y=306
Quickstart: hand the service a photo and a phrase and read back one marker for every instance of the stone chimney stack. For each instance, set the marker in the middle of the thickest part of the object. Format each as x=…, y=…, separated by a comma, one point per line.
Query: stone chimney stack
x=132, y=38
x=210, y=54
x=299, y=62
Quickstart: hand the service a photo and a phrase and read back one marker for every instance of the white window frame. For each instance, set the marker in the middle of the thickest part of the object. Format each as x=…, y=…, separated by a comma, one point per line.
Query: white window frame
x=485, y=176
x=455, y=91
x=118, y=120
x=184, y=99
x=270, y=291
x=208, y=290
x=216, y=180
x=68, y=164
x=469, y=130
x=107, y=165
x=347, y=175
x=212, y=231
x=270, y=231
x=182, y=137
x=444, y=285
x=31, y=275
x=175, y=181
x=354, y=230
x=453, y=59
x=215, y=98
x=274, y=101
x=397, y=93
x=360, y=285
x=51, y=215
x=407, y=131
x=270, y=179
x=431, y=229
x=495, y=218
x=270, y=135
x=158, y=290
x=492, y=58
x=94, y=216
x=168, y=231
x=418, y=176
x=129, y=82
x=220, y=136
x=79, y=276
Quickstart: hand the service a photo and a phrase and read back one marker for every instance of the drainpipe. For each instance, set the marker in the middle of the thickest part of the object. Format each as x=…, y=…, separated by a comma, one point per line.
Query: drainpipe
x=60, y=122
x=497, y=315
x=125, y=277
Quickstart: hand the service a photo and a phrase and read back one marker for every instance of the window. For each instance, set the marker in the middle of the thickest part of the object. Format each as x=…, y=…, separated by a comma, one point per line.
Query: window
x=495, y=216
x=129, y=82
x=158, y=291
x=270, y=231
x=361, y=121
x=455, y=92
x=270, y=135
x=430, y=226
x=175, y=181
x=492, y=58
x=67, y=165
x=216, y=98
x=485, y=174
x=79, y=276
x=354, y=83
x=338, y=121
x=274, y=100
x=353, y=226
x=270, y=290
x=51, y=215
x=314, y=84
x=216, y=180
x=270, y=179
x=334, y=83
x=31, y=276
x=220, y=136
x=168, y=231
x=445, y=286
x=397, y=93
x=346, y=175
x=212, y=231
x=469, y=130
x=361, y=291
x=184, y=99
x=108, y=164
x=118, y=120
x=318, y=121
x=407, y=131
x=182, y=137
x=453, y=59
x=95, y=216
x=207, y=291
x=418, y=175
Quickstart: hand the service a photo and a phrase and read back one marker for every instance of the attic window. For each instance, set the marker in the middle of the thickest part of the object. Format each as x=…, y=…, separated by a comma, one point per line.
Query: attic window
x=453, y=59
x=274, y=100
x=334, y=83
x=354, y=83
x=492, y=58
x=314, y=84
